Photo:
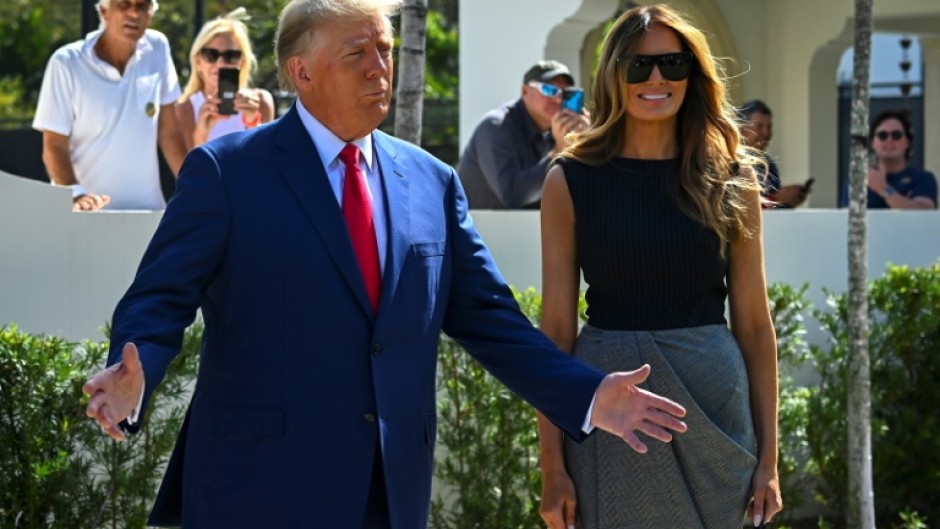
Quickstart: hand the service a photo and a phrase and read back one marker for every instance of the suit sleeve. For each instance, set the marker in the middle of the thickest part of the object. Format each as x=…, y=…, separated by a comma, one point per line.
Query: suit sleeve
x=485, y=319
x=179, y=263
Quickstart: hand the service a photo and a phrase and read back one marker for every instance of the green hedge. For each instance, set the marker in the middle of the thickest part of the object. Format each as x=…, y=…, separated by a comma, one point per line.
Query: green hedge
x=57, y=468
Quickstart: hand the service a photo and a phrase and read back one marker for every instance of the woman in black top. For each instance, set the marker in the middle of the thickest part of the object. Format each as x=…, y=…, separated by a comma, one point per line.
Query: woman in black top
x=657, y=206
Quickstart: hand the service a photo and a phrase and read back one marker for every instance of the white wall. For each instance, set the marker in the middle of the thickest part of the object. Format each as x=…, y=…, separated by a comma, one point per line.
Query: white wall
x=62, y=272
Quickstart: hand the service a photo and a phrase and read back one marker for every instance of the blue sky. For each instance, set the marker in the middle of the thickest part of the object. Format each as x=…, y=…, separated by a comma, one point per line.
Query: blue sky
x=886, y=54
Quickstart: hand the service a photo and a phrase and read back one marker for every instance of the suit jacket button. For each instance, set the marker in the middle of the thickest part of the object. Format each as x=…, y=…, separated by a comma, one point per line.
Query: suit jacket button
x=376, y=349
x=369, y=418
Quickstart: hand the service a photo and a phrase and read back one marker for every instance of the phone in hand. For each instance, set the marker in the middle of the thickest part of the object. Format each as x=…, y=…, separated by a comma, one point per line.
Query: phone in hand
x=573, y=99
x=808, y=185
x=228, y=87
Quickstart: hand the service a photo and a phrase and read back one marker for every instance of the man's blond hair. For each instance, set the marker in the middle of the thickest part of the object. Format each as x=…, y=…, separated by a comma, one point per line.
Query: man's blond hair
x=300, y=19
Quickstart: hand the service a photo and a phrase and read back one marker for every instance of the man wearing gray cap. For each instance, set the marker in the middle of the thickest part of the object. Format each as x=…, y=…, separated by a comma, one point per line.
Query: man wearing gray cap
x=505, y=161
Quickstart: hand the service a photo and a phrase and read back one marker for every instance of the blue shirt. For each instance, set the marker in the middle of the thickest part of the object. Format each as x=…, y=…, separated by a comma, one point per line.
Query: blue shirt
x=910, y=183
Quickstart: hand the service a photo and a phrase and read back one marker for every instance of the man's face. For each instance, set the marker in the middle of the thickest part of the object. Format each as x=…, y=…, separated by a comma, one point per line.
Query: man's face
x=758, y=131
x=127, y=19
x=345, y=80
x=541, y=107
x=890, y=142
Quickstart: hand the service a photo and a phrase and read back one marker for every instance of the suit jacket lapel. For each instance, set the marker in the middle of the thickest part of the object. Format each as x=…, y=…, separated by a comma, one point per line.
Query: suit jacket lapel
x=397, y=198
x=304, y=172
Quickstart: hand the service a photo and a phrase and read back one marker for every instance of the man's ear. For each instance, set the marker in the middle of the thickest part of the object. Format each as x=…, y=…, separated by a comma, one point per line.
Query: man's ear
x=298, y=71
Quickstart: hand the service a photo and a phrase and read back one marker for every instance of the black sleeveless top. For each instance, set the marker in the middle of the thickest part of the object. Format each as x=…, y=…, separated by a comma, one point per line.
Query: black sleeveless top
x=648, y=265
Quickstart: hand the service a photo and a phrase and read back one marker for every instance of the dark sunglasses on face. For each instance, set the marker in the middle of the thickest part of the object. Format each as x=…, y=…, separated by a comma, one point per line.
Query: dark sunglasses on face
x=550, y=90
x=210, y=55
x=894, y=134
x=672, y=66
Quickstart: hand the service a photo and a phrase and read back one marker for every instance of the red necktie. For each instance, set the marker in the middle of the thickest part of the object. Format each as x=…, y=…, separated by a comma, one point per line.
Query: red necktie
x=357, y=210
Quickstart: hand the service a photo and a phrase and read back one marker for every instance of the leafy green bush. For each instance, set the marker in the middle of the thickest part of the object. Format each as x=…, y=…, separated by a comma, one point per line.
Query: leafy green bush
x=488, y=458
x=57, y=469
x=904, y=341
x=788, y=308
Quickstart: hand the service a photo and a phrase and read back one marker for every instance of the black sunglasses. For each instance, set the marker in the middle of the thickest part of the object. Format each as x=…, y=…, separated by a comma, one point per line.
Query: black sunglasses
x=210, y=55
x=672, y=66
x=894, y=134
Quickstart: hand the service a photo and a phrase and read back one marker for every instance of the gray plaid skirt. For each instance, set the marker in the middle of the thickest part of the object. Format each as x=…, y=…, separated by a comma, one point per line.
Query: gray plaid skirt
x=701, y=480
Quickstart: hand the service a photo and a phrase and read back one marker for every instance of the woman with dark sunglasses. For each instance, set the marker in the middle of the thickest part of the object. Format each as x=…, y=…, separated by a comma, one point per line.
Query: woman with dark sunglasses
x=657, y=205
x=221, y=43
x=892, y=182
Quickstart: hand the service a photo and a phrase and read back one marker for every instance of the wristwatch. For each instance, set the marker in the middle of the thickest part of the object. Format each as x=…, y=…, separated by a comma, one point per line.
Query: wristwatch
x=888, y=191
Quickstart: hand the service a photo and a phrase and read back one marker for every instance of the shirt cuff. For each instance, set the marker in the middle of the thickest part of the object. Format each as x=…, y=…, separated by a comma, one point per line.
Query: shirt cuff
x=135, y=413
x=77, y=190
x=587, y=427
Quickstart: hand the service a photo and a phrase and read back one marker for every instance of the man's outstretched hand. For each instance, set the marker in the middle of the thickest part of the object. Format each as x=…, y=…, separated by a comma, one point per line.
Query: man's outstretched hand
x=621, y=408
x=115, y=392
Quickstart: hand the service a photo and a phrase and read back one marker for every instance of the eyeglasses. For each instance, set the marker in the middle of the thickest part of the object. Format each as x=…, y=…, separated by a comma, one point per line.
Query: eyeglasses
x=894, y=134
x=140, y=7
x=672, y=66
x=550, y=90
x=210, y=55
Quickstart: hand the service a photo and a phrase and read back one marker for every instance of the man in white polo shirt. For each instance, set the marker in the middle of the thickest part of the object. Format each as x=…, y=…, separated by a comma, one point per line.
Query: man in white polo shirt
x=106, y=102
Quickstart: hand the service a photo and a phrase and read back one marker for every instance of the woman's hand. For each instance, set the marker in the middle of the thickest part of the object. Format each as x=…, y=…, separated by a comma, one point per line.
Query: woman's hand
x=558, y=500
x=248, y=102
x=206, y=119
x=765, y=496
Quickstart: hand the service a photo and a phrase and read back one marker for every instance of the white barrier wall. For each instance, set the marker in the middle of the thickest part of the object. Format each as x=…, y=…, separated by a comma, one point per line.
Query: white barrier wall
x=62, y=273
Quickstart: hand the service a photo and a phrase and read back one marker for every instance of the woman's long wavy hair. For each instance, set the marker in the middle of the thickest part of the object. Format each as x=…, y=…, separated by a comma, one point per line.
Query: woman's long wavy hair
x=232, y=23
x=711, y=186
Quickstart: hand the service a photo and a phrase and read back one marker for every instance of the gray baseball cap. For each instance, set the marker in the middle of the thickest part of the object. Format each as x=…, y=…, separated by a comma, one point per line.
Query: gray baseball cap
x=545, y=71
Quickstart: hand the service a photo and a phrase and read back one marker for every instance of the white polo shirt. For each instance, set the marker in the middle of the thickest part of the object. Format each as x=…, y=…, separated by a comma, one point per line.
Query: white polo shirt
x=111, y=119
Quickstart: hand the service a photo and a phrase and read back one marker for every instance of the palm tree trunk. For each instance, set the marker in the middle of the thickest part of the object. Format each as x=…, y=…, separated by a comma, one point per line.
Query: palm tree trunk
x=861, y=501
x=411, y=59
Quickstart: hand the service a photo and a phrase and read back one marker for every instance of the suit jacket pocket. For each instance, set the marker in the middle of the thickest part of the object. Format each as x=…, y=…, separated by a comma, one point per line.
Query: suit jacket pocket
x=231, y=421
x=428, y=249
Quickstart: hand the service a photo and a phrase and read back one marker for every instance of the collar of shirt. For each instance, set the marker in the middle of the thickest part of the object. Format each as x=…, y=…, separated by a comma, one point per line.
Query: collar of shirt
x=528, y=125
x=107, y=69
x=328, y=144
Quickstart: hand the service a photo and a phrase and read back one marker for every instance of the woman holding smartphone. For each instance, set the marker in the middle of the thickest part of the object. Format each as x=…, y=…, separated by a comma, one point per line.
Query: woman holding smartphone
x=222, y=48
x=657, y=204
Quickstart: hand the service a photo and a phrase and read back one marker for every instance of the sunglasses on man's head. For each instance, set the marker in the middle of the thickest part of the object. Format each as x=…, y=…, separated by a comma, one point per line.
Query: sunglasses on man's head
x=210, y=55
x=672, y=66
x=550, y=90
x=895, y=135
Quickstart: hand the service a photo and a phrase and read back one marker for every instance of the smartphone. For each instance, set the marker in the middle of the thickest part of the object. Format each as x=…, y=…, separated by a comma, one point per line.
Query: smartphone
x=808, y=185
x=573, y=99
x=228, y=87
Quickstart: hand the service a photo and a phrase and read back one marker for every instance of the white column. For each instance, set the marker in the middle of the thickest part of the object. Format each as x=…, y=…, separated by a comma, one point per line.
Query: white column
x=931, y=132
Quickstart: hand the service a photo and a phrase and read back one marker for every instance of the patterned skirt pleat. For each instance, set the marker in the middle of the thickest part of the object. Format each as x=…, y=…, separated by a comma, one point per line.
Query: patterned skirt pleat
x=701, y=480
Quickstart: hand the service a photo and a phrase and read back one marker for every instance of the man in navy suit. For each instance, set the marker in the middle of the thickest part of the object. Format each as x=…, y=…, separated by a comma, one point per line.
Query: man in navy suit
x=315, y=402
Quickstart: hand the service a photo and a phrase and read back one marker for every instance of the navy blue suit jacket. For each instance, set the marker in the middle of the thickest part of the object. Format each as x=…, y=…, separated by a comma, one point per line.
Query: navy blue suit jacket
x=298, y=379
